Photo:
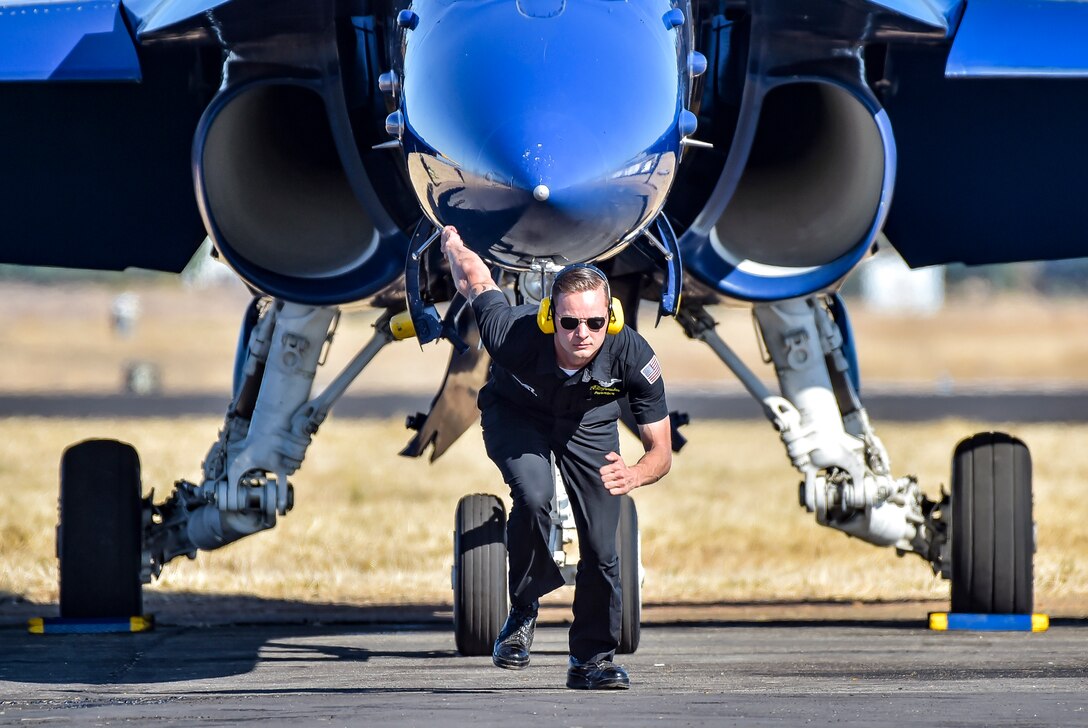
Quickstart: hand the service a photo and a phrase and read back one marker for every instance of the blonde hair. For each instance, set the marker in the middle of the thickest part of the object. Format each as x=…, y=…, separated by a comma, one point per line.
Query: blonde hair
x=578, y=278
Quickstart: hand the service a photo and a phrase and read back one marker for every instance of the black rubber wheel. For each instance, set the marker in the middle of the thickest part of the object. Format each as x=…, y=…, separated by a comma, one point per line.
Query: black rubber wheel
x=479, y=573
x=627, y=545
x=100, y=534
x=993, y=538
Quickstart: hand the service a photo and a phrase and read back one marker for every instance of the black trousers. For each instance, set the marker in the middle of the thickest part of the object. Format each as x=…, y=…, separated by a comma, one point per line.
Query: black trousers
x=521, y=446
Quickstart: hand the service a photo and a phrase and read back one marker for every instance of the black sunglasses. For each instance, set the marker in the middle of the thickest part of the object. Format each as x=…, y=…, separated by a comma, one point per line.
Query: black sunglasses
x=570, y=323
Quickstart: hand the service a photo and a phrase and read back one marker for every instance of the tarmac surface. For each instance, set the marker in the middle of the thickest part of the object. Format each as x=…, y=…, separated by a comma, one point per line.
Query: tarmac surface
x=215, y=660
x=832, y=664
x=979, y=403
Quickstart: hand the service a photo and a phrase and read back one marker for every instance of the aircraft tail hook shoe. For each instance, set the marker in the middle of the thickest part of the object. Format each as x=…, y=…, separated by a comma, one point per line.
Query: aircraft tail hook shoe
x=596, y=675
x=516, y=637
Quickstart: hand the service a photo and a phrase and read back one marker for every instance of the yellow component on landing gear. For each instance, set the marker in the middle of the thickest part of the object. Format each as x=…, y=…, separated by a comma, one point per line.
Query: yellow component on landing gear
x=402, y=327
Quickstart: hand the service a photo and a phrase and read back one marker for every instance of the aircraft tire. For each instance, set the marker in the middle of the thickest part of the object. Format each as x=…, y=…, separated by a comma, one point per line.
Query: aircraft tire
x=992, y=531
x=479, y=573
x=100, y=534
x=629, y=548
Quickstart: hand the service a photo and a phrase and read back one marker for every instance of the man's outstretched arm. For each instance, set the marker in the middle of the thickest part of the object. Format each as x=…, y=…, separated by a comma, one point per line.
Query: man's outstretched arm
x=494, y=316
x=470, y=274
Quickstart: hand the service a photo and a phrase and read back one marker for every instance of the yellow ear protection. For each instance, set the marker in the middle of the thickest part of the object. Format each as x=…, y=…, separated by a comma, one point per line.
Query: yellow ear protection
x=545, y=315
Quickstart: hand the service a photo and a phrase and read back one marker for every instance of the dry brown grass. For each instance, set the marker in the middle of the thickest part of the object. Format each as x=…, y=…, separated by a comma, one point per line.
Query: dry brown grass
x=372, y=528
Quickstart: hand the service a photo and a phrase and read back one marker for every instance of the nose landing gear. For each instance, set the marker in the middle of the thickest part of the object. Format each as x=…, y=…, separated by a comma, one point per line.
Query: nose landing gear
x=480, y=575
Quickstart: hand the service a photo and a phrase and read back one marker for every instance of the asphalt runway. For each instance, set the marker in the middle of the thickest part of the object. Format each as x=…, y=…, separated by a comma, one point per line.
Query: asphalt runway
x=890, y=672
x=981, y=404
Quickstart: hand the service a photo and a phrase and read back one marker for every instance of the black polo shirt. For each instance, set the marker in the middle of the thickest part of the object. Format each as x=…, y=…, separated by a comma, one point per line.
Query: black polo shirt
x=525, y=375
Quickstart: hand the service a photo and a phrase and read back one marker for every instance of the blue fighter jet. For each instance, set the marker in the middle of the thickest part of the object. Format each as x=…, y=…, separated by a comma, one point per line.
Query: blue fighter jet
x=696, y=150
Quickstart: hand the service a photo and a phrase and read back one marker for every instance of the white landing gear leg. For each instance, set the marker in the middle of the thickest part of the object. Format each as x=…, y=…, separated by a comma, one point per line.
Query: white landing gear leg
x=267, y=431
x=848, y=482
x=847, y=479
x=980, y=537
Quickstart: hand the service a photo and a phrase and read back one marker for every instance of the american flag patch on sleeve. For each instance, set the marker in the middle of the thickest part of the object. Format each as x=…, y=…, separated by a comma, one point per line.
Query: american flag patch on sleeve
x=652, y=370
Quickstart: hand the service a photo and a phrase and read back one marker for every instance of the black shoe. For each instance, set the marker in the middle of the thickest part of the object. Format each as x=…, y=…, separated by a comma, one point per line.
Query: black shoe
x=516, y=637
x=599, y=675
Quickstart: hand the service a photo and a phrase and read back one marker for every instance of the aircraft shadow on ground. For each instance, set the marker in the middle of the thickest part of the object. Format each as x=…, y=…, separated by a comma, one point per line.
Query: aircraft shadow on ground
x=202, y=636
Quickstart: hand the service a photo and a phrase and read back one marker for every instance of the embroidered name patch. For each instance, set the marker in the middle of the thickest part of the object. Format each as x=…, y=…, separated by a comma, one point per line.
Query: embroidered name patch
x=600, y=390
x=652, y=370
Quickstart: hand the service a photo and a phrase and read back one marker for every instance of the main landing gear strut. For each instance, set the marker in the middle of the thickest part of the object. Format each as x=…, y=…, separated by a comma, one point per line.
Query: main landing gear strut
x=980, y=536
x=110, y=541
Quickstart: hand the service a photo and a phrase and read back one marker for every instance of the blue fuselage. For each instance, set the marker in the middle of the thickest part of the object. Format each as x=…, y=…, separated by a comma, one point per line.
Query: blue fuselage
x=543, y=129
